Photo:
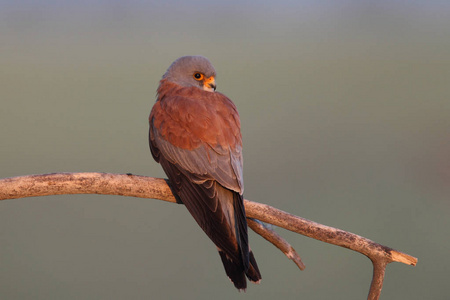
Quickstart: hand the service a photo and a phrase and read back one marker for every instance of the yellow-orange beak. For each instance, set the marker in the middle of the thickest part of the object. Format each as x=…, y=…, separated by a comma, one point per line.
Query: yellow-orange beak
x=209, y=84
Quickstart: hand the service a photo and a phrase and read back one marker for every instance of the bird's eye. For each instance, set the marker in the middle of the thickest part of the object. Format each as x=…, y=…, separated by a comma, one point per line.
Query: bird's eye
x=198, y=76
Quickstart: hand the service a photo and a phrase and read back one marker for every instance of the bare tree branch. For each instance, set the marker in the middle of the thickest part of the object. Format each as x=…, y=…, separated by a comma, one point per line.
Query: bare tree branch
x=374, y=251
x=85, y=183
x=263, y=230
x=379, y=268
x=156, y=188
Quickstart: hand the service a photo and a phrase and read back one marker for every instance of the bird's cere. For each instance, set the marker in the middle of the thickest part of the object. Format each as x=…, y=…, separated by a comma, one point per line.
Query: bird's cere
x=209, y=84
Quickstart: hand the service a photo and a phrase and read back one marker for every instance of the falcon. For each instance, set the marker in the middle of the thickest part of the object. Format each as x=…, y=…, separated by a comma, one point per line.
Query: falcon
x=195, y=136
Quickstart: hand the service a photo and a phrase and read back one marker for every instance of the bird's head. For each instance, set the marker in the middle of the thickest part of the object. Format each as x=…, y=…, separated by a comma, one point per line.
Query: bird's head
x=192, y=71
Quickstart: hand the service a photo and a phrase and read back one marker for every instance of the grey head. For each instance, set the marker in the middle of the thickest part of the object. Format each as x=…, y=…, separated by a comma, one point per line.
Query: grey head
x=192, y=71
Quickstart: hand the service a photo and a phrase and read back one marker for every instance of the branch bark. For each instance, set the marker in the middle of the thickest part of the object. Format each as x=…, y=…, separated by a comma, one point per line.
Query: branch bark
x=156, y=188
x=263, y=230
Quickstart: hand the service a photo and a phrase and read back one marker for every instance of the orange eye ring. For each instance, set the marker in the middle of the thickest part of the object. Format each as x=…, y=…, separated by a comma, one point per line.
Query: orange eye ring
x=198, y=76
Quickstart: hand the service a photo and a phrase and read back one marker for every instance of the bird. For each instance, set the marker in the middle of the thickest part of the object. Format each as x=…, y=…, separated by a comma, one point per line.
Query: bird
x=195, y=135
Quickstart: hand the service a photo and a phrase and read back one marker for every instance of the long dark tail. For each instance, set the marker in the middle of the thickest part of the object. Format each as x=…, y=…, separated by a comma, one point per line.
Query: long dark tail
x=237, y=273
x=245, y=266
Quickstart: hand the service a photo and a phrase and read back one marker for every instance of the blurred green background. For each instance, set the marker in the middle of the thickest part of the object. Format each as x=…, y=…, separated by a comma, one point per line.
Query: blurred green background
x=345, y=110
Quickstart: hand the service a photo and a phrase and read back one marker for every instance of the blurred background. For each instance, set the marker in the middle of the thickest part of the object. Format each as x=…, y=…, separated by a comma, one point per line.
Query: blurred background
x=345, y=110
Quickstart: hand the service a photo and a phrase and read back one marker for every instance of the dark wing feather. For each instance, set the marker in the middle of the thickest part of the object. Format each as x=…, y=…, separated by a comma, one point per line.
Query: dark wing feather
x=204, y=163
x=203, y=203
